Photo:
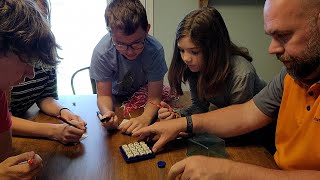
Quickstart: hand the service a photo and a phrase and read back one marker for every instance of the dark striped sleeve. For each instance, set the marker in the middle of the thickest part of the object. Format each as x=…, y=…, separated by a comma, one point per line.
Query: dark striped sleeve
x=24, y=95
x=50, y=89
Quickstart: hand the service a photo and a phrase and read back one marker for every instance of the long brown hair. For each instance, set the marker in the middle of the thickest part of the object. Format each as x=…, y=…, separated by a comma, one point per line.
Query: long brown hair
x=207, y=30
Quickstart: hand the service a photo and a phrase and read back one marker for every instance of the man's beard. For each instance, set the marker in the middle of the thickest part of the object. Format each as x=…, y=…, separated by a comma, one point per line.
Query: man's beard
x=301, y=69
x=304, y=66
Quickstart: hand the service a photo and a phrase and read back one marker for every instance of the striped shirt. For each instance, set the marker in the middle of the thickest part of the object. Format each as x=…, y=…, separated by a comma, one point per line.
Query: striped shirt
x=24, y=95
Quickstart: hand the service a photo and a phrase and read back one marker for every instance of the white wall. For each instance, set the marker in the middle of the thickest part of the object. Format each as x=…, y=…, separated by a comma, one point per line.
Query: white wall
x=167, y=15
x=77, y=28
x=244, y=20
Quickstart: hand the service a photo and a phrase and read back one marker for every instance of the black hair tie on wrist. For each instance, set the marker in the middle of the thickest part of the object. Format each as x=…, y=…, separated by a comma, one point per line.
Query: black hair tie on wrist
x=189, y=125
x=63, y=109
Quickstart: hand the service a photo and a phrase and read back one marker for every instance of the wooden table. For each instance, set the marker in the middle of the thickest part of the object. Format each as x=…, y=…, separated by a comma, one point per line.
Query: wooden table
x=98, y=156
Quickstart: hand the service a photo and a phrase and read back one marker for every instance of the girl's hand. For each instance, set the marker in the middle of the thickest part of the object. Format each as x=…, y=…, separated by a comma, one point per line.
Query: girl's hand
x=165, y=112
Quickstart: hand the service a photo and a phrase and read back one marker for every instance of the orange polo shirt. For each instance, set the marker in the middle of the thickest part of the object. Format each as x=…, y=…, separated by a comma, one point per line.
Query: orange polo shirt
x=298, y=127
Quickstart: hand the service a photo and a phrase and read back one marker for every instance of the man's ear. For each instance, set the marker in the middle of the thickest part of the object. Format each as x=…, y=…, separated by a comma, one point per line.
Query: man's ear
x=148, y=28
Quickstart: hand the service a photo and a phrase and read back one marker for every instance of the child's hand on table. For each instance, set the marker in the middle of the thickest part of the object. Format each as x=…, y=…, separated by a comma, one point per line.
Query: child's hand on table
x=166, y=112
x=112, y=123
x=134, y=124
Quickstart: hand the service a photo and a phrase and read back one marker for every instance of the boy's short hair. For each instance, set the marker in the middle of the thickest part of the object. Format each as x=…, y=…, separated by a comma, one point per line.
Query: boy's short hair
x=126, y=15
x=25, y=32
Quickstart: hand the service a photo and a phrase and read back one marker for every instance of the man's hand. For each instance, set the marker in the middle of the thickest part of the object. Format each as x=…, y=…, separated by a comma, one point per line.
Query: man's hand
x=17, y=167
x=201, y=167
x=165, y=130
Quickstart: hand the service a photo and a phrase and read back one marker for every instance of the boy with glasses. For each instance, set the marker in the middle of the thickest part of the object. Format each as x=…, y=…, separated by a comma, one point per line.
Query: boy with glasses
x=125, y=60
x=135, y=46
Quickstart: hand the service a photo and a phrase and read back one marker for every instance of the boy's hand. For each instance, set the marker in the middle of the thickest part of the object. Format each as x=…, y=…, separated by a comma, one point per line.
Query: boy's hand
x=112, y=123
x=17, y=167
x=135, y=124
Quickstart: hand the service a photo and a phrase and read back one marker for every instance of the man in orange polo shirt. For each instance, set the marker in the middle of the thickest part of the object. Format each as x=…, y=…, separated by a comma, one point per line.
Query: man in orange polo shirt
x=292, y=97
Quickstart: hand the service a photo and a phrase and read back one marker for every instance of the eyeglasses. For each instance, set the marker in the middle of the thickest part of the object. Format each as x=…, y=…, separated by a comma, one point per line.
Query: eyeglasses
x=134, y=46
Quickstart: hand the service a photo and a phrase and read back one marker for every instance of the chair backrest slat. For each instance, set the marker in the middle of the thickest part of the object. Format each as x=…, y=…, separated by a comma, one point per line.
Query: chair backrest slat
x=93, y=82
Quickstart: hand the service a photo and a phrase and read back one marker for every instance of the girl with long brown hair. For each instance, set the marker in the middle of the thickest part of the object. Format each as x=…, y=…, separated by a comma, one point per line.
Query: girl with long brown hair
x=217, y=71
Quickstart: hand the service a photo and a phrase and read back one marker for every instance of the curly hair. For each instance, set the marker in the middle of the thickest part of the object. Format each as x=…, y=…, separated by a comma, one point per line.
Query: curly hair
x=45, y=7
x=25, y=32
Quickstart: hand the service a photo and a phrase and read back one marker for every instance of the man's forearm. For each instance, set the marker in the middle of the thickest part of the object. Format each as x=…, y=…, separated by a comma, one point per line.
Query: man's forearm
x=230, y=121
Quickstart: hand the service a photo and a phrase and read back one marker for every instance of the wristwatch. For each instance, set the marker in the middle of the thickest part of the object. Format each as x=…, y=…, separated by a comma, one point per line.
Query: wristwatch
x=189, y=125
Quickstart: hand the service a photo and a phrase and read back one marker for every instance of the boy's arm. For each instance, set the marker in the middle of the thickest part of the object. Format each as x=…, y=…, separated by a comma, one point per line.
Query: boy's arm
x=5, y=144
x=104, y=93
x=60, y=132
x=51, y=107
x=105, y=104
x=154, y=96
x=23, y=127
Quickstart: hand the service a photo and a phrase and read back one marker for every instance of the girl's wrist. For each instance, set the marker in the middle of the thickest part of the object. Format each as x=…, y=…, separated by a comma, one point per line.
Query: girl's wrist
x=52, y=131
x=63, y=109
